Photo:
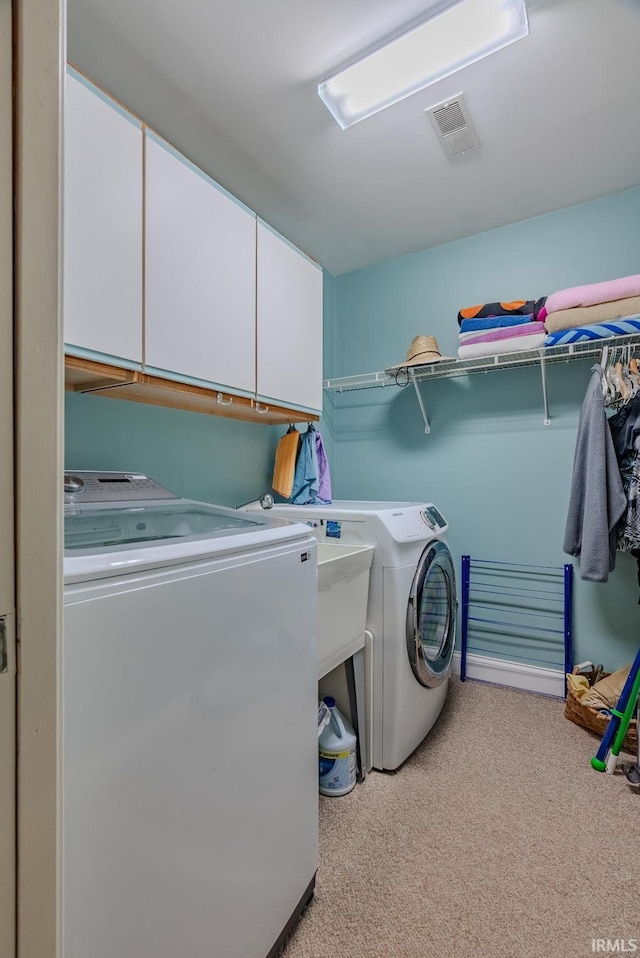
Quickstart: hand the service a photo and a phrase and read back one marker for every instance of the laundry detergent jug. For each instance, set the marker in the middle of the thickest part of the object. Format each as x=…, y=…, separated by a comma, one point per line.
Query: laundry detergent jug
x=336, y=753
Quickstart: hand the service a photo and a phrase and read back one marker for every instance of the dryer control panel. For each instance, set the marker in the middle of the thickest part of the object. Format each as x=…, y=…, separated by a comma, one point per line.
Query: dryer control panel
x=95, y=486
x=414, y=522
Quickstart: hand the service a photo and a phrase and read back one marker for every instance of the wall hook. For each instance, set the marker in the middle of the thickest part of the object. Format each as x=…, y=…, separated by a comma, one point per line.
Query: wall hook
x=221, y=401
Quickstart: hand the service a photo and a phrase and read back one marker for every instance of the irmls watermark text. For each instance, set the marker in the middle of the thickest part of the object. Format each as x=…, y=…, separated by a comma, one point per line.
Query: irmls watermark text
x=619, y=946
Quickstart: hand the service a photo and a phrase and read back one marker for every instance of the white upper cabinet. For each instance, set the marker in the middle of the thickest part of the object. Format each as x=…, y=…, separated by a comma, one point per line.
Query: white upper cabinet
x=102, y=225
x=164, y=270
x=289, y=323
x=200, y=275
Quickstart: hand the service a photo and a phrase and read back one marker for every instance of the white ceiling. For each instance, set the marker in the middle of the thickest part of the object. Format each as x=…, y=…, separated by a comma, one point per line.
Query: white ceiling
x=233, y=85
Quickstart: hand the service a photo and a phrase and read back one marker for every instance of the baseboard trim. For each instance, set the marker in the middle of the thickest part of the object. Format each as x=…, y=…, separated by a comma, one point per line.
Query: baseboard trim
x=516, y=675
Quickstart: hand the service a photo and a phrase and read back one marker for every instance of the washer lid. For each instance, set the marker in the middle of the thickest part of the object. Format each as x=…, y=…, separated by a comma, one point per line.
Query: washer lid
x=90, y=530
x=105, y=539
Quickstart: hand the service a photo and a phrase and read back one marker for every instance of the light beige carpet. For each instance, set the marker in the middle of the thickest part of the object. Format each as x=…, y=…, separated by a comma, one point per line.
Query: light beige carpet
x=496, y=839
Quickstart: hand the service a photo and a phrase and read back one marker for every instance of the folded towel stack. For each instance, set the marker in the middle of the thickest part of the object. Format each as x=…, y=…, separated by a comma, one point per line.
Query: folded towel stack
x=492, y=328
x=594, y=311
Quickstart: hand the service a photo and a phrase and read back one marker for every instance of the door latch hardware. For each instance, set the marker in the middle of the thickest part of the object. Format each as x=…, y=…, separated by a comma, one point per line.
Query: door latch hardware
x=3, y=646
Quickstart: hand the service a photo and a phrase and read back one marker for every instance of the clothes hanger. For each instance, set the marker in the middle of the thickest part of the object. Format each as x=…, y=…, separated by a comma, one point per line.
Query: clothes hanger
x=624, y=391
x=612, y=392
x=631, y=372
x=622, y=383
x=603, y=370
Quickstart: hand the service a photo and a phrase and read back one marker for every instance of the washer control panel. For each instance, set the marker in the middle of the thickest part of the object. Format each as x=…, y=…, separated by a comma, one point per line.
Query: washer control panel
x=94, y=486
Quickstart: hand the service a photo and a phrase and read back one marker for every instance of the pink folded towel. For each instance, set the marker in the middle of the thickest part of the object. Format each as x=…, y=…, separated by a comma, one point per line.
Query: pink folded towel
x=594, y=293
x=509, y=332
x=518, y=345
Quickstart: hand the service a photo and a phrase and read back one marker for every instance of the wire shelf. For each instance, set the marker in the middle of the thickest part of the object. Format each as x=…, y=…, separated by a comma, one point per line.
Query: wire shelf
x=452, y=368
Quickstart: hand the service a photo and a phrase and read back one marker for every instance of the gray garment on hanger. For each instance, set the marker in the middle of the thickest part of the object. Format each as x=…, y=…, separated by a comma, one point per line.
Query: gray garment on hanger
x=625, y=427
x=597, y=498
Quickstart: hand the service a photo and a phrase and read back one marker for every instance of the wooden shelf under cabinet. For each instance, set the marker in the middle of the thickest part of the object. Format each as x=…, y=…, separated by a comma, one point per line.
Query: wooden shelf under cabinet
x=90, y=376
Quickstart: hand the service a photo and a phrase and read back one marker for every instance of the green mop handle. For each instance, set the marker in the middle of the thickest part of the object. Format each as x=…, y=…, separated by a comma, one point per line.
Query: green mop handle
x=626, y=717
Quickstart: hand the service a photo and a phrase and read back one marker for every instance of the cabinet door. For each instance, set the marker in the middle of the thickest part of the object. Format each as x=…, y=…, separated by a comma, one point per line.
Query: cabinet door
x=200, y=275
x=102, y=225
x=289, y=324
x=8, y=741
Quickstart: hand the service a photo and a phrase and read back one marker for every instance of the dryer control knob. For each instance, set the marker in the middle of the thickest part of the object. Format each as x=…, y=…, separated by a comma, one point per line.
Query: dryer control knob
x=73, y=484
x=426, y=518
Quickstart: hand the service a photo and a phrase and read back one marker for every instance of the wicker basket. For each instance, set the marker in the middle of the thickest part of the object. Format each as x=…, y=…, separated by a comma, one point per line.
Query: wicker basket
x=597, y=721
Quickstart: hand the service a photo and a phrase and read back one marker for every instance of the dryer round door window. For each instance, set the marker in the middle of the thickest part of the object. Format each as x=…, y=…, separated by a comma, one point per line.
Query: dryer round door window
x=431, y=616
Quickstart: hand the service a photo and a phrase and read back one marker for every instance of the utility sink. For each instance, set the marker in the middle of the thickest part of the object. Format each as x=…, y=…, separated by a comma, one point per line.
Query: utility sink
x=343, y=591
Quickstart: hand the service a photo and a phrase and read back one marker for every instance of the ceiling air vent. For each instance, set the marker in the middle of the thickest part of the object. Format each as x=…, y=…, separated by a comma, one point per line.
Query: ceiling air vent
x=453, y=125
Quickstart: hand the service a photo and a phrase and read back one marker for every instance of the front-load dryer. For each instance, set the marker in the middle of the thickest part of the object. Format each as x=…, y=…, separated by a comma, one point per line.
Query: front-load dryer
x=411, y=613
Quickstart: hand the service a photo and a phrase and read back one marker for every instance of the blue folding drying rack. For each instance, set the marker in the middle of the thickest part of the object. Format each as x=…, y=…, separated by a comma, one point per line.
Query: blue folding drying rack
x=507, y=604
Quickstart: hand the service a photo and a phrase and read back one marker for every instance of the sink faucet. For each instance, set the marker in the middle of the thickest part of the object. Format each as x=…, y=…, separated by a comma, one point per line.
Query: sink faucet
x=266, y=501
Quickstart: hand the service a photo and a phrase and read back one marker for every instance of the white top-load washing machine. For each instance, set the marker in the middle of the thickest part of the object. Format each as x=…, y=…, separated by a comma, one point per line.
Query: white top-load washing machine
x=189, y=773
x=411, y=612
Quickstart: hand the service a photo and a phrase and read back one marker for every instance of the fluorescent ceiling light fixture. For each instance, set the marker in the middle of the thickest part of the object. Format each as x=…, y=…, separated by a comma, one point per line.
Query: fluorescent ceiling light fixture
x=451, y=39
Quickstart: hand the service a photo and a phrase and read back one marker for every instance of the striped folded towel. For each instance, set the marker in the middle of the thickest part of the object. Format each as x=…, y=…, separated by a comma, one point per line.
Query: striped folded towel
x=581, y=334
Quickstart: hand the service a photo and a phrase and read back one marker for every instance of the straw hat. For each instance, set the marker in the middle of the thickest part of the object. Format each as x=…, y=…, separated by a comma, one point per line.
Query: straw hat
x=422, y=351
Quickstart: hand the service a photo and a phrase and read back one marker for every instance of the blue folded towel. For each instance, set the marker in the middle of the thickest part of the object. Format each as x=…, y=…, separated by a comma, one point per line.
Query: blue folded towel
x=493, y=322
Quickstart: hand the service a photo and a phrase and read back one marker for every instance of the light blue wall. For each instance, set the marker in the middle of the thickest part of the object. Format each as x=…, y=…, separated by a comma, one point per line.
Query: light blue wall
x=499, y=475
x=195, y=455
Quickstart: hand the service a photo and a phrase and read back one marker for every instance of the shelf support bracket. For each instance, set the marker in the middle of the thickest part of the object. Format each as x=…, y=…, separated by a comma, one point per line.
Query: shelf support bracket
x=545, y=399
x=412, y=377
